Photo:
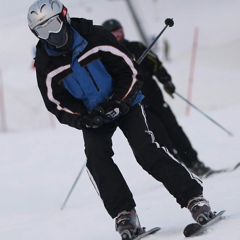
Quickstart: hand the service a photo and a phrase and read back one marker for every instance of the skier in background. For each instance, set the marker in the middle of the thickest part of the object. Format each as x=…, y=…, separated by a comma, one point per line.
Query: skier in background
x=163, y=122
x=90, y=82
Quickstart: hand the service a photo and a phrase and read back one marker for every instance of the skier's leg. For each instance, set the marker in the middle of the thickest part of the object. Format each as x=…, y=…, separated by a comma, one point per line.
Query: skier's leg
x=160, y=132
x=181, y=142
x=183, y=185
x=103, y=172
x=156, y=160
x=176, y=133
x=155, y=104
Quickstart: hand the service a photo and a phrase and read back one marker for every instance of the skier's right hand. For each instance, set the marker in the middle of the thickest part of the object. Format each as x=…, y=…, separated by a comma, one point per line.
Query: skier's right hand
x=89, y=121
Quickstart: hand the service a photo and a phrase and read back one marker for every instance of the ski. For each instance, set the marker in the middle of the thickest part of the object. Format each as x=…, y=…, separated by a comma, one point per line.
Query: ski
x=143, y=233
x=147, y=233
x=224, y=170
x=195, y=229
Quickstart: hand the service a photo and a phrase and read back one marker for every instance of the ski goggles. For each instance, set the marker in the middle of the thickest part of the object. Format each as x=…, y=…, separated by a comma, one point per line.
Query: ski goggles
x=52, y=25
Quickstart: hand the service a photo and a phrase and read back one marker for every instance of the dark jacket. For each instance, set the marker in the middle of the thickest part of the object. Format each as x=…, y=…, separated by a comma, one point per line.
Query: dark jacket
x=96, y=70
x=153, y=72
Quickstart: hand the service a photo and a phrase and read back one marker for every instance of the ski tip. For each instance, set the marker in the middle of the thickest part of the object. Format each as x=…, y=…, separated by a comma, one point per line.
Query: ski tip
x=221, y=212
x=156, y=229
x=153, y=230
x=237, y=165
x=191, y=228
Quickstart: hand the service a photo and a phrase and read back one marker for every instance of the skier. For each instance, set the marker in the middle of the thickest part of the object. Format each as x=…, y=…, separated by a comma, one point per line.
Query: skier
x=164, y=124
x=89, y=82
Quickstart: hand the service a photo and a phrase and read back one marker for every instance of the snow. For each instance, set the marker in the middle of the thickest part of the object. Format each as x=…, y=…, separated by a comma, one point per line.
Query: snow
x=40, y=159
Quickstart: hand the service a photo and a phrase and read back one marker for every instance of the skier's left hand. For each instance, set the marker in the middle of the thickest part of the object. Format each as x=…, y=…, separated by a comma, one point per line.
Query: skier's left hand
x=169, y=88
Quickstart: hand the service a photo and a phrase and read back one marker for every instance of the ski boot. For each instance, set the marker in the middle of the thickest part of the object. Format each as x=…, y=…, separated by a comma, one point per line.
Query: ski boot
x=128, y=225
x=199, y=169
x=200, y=210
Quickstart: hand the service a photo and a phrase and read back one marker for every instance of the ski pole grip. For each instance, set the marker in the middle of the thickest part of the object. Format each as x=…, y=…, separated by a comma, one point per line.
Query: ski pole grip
x=169, y=22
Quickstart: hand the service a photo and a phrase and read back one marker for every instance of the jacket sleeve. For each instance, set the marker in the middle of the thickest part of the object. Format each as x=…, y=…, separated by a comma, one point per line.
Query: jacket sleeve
x=123, y=69
x=151, y=65
x=67, y=109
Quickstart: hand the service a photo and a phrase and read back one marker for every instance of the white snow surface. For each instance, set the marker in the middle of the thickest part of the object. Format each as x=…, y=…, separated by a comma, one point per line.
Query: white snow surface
x=40, y=159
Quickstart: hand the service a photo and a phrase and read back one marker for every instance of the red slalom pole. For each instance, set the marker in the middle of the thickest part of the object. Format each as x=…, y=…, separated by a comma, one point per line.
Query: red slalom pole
x=192, y=68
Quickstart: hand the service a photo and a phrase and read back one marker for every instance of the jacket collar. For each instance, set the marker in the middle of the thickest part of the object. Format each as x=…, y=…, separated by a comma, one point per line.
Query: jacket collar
x=79, y=44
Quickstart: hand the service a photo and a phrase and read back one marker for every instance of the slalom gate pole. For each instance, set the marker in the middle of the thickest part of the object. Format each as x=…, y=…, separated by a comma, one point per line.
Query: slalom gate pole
x=169, y=23
x=192, y=69
x=229, y=133
x=73, y=186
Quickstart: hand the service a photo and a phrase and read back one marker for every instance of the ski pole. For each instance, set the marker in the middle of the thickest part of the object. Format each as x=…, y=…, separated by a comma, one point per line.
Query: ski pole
x=169, y=23
x=229, y=133
x=73, y=186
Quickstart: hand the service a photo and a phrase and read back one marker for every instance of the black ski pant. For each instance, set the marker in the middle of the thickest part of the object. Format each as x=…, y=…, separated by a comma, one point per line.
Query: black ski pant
x=175, y=136
x=156, y=160
x=160, y=132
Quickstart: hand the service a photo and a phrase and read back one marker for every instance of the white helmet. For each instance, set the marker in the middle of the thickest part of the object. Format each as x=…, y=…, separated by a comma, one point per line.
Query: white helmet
x=42, y=10
x=48, y=20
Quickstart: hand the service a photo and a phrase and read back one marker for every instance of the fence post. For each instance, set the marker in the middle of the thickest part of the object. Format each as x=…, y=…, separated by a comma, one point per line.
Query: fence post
x=3, y=124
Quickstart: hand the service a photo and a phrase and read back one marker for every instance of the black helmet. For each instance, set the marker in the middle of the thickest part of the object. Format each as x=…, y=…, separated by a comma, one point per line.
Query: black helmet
x=112, y=25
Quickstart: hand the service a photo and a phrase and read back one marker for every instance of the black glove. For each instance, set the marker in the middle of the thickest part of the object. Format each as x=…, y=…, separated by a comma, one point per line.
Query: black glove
x=169, y=88
x=112, y=109
x=89, y=121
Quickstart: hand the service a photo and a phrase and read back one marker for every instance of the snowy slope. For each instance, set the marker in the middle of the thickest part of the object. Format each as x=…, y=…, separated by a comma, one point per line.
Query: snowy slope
x=39, y=163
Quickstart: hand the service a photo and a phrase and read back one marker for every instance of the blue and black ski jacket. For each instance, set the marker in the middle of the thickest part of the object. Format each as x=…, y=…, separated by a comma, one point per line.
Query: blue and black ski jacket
x=96, y=70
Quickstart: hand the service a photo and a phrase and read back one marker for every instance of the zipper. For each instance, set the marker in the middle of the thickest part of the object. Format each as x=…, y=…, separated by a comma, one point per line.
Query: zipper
x=94, y=82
